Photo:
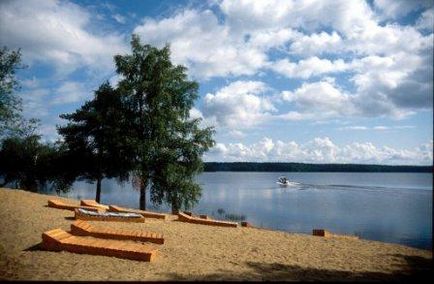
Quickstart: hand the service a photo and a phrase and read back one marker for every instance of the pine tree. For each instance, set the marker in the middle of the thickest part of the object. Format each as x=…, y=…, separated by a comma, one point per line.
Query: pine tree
x=93, y=138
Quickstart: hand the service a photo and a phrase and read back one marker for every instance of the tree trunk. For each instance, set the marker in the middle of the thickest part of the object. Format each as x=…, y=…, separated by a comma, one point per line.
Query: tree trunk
x=143, y=195
x=98, y=190
x=175, y=208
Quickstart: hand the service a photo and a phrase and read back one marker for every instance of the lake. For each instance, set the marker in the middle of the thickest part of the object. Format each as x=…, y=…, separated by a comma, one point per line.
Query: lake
x=389, y=207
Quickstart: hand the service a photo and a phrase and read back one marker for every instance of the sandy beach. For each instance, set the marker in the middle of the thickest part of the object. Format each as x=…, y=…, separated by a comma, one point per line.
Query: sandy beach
x=195, y=252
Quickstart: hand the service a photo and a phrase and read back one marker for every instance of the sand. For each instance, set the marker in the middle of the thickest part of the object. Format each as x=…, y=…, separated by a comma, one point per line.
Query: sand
x=195, y=252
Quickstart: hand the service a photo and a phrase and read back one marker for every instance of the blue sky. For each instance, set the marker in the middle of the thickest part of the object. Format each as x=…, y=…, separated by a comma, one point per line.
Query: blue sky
x=290, y=81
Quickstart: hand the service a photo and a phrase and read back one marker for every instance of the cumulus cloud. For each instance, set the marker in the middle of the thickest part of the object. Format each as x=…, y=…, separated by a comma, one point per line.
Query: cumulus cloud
x=307, y=68
x=317, y=43
x=320, y=150
x=57, y=32
x=389, y=65
x=383, y=68
x=240, y=104
x=393, y=9
x=201, y=43
x=426, y=20
x=318, y=100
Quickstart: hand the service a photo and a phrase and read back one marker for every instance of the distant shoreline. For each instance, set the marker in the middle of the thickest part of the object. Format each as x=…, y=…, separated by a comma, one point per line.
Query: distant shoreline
x=304, y=167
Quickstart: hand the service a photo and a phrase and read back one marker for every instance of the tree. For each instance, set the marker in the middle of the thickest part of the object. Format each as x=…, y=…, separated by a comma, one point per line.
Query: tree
x=93, y=138
x=167, y=145
x=12, y=122
x=10, y=105
x=178, y=164
x=24, y=161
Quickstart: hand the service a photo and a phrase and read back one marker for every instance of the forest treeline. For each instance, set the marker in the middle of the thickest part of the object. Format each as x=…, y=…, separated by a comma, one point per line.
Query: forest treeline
x=302, y=167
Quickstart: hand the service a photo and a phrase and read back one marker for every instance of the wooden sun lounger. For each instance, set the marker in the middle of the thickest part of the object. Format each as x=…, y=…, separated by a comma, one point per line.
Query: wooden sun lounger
x=93, y=203
x=83, y=228
x=55, y=203
x=327, y=234
x=189, y=219
x=81, y=214
x=147, y=214
x=58, y=240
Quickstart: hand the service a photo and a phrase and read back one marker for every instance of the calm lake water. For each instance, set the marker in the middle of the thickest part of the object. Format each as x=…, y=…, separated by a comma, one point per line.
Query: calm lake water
x=389, y=207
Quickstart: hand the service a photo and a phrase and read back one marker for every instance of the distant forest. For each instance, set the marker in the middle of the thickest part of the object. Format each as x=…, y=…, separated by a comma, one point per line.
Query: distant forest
x=302, y=167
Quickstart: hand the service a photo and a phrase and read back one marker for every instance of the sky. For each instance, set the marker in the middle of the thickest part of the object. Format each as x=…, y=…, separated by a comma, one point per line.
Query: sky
x=342, y=81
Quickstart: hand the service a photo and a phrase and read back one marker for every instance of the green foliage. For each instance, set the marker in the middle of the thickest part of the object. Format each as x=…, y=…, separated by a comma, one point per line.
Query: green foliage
x=167, y=145
x=11, y=121
x=94, y=138
x=235, y=217
x=27, y=162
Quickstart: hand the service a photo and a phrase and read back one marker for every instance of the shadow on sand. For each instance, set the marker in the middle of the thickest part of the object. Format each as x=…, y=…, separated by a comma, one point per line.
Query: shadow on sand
x=416, y=268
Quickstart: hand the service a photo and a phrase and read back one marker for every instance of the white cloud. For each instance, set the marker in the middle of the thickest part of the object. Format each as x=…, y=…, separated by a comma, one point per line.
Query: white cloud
x=426, y=20
x=30, y=83
x=307, y=68
x=239, y=104
x=119, y=18
x=195, y=113
x=387, y=61
x=398, y=8
x=70, y=92
x=309, y=15
x=202, y=44
x=378, y=127
x=35, y=102
x=317, y=43
x=396, y=85
x=57, y=33
x=318, y=100
x=49, y=133
x=320, y=150
x=353, y=128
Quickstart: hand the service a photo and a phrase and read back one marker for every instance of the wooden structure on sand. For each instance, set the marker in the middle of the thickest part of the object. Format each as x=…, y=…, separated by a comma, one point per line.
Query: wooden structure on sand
x=93, y=203
x=83, y=228
x=327, y=234
x=58, y=240
x=189, y=219
x=55, y=203
x=82, y=214
x=144, y=213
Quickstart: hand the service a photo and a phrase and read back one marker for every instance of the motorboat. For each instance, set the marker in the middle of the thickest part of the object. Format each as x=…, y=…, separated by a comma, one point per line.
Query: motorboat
x=283, y=181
